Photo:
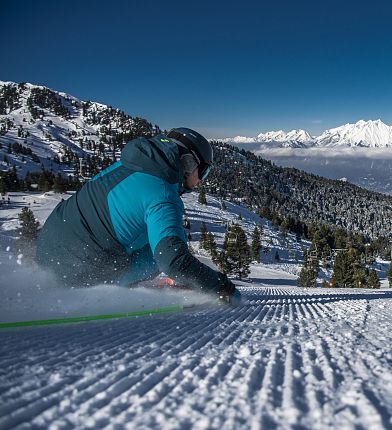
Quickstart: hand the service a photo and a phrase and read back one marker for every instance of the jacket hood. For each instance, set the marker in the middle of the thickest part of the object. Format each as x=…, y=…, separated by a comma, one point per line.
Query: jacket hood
x=158, y=156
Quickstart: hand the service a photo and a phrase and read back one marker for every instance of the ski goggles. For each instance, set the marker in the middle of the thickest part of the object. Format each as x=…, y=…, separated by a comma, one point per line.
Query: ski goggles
x=203, y=168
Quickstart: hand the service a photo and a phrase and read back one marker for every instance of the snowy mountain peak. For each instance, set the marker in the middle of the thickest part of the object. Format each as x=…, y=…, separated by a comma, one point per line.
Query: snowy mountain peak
x=372, y=134
x=293, y=138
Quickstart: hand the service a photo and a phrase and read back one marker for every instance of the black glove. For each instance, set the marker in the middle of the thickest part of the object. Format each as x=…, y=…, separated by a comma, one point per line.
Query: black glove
x=226, y=288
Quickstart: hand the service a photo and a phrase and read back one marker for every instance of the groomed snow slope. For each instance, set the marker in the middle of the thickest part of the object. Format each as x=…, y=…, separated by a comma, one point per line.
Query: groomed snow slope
x=284, y=359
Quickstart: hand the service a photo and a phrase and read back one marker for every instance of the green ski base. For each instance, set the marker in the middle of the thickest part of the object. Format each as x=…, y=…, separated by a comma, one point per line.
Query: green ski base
x=163, y=310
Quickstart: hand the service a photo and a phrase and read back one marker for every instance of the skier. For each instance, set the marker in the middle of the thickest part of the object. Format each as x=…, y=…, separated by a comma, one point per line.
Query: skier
x=125, y=224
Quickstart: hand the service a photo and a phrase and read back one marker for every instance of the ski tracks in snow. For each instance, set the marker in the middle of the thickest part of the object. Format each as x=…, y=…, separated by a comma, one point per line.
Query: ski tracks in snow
x=285, y=359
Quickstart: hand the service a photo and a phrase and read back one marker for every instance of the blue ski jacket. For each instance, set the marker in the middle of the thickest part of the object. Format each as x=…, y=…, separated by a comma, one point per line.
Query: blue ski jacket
x=125, y=224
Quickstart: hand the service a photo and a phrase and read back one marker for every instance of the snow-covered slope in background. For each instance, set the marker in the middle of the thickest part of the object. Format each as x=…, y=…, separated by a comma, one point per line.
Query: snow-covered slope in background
x=47, y=135
x=61, y=123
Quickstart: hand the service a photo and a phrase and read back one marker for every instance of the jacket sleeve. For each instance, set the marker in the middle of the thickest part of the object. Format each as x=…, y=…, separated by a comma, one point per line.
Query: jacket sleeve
x=168, y=243
x=164, y=219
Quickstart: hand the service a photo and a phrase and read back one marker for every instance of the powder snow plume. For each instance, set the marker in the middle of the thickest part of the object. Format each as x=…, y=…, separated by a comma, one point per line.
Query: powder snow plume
x=30, y=293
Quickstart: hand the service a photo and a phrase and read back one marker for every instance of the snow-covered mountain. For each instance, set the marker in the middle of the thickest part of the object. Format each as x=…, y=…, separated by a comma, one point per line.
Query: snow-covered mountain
x=291, y=139
x=40, y=126
x=371, y=134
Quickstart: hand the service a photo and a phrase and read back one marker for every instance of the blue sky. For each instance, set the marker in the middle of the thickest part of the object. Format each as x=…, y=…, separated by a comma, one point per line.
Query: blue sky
x=221, y=67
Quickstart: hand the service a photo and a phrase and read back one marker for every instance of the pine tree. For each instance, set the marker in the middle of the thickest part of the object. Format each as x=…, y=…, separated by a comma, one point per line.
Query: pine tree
x=348, y=271
x=307, y=278
x=235, y=258
x=202, y=196
x=313, y=263
x=203, y=235
x=43, y=183
x=222, y=262
x=58, y=184
x=260, y=226
x=306, y=257
x=256, y=244
x=373, y=280
x=359, y=277
x=225, y=264
x=211, y=247
x=309, y=271
x=28, y=224
x=343, y=270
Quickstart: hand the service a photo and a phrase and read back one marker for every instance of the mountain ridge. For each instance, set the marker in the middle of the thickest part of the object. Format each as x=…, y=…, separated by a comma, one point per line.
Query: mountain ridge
x=59, y=128
x=371, y=134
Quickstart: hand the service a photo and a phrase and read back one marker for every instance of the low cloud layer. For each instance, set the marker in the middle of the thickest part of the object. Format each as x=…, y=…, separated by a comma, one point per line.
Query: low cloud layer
x=368, y=168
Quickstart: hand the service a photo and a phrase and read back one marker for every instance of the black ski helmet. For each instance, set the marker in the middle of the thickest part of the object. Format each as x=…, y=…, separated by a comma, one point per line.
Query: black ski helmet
x=198, y=145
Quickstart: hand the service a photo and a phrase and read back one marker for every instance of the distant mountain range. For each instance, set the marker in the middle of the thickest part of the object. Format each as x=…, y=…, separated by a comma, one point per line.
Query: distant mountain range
x=359, y=153
x=362, y=134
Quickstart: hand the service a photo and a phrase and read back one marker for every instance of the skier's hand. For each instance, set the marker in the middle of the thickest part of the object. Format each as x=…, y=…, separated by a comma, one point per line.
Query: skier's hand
x=227, y=291
x=233, y=299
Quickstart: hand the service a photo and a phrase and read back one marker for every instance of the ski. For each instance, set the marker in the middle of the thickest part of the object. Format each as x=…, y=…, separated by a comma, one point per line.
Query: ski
x=68, y=320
